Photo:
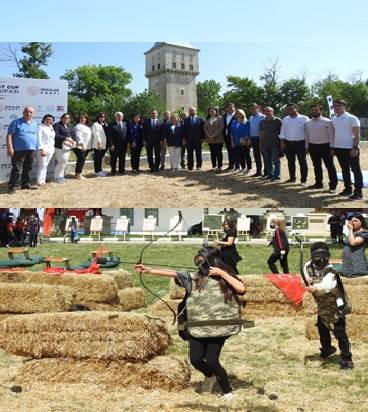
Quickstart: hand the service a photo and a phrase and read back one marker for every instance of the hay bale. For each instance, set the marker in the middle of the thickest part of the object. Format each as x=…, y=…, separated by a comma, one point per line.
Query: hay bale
x=122, y=278
x=13, y=277
x=265, y=310
x=83, y=335
x=131, y=298
x=113, y=305
x=87, y=287
x=161, y=310
x=163, y=372
x=176, y=292
x=32, y=298
x=356, y=328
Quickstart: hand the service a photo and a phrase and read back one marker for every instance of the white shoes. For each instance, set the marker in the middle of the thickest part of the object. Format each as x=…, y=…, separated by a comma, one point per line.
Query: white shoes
x=101, y=173
x=246, y=172
x=80, y=177
x=229, y=396
x=238, y=171
x=207, y=384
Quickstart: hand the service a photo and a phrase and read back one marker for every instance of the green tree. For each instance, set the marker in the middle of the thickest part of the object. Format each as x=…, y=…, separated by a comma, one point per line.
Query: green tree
x=35, y=56
x=243, y=92
x=94, y=87
x=208, y=95
x=143, y=103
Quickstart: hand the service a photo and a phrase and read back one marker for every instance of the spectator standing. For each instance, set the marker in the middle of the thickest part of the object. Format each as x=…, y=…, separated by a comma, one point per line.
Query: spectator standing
x=254, y=122
x=153, y=140
x=64, y=141
x=83, y=135
x=229, y=252
x=280, y=245
x=135, y=141
x=270, y=128
x=184, y=115
x=99, y=142
x=22, y=143
x=229, y=117
x=213, y=130
x=336, y=222
x=318, y=141
x=33, y=228
x=292, y=137
x=46, y=147
x=346, y=148
x=194, y=138
x=118, y=143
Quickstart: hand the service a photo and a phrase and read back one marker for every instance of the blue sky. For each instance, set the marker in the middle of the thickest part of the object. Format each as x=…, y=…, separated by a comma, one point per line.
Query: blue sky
x=234, y=38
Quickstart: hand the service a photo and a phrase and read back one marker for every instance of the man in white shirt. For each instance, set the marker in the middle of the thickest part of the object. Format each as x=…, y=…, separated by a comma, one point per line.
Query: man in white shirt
x=229, y=117
x=318, y=140
x=292, y=137
x=346, y=149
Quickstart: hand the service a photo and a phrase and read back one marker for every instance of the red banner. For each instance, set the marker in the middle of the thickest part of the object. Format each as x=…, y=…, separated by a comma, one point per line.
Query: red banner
x=291, y=285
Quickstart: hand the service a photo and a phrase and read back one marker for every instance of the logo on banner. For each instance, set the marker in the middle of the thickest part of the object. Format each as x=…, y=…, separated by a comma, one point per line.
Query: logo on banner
x=33, y=90
x=59, y=108
x=13, y=117
x=50, y=108
x=2, y=108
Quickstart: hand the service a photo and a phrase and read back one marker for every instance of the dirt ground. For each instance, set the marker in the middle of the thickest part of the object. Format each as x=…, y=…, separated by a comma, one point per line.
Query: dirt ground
x=198, y=188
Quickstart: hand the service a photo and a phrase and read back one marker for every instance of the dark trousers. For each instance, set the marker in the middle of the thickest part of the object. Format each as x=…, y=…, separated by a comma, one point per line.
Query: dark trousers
x=346, y=163
x=296, y=150
x=216, y=154
x=135, y=156
x=81, y=159
x=256, y=153
x=340, y=335
x=22, y=163
x=283, y=261
x=242, y=157
x=97, y=159
x=230, y=152
x=182, y=161
x=194, y=146
x=319, y=153
x=33, y=237
x=204, y=356
x=118, y=153
x=153, y=149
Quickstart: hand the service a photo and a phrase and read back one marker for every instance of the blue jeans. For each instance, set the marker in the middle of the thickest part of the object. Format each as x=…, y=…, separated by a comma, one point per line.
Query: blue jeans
x=272, y=160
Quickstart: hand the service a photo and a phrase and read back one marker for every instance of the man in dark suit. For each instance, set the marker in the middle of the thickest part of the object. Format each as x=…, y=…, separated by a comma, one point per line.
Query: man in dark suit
x=194, y=138
x=229, y=117
x=153, y=140
x=118, y=142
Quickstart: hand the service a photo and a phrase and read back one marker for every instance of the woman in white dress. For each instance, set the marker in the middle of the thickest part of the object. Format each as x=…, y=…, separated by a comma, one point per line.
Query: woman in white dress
x=46, y=143
x=83, y=135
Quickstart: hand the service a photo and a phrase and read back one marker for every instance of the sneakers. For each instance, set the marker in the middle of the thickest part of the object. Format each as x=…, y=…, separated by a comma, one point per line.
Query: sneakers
x=346, y=365
x=258, y=174
x=325, y=353
x=346, y=192
x=238, y=171
x=60, y=180
x=101, y=173
x=290, y=180
x=80, y=177
x=276, y=179
x=12, y=190
x=207, y=384
x=331, y=190
x=246, y=172
x=304, y=184
x=266, y=177
x=229, y=396
x=356, y=196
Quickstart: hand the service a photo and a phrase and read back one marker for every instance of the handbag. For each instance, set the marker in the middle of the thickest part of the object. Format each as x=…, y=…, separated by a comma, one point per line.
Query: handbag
x=107, y=160
x=66, y=145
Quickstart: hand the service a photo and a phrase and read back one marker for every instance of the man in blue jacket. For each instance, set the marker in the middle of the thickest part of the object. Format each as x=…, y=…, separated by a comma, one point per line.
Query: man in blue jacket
x=22, y=143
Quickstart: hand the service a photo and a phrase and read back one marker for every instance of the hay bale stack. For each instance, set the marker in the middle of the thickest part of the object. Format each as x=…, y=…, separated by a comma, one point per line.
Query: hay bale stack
x=87, y=287
x=79, y=335
x=266, y=300
x=122, y=278
x=131, y=298
x=176, y=292
x=33, y=298
x=356, y=327
x=161, y=310
x=13, y=276
x=162, y=372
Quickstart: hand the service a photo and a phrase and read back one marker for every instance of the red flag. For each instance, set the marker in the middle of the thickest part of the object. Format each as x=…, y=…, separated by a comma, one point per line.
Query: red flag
x=291, y=285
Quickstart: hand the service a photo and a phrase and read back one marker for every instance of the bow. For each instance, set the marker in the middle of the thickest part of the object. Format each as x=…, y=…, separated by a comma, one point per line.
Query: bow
x=301, y=263
x=141, y=258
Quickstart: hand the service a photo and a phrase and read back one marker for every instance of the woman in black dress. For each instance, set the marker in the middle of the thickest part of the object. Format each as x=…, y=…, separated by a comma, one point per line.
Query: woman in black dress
x=227, y=244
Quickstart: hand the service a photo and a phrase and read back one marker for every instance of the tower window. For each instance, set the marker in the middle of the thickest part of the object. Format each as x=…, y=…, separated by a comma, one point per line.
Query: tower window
x=158, y=66
x=153, y=68
x=182, y=92
x=191, y=67
x=183, y=66
x=173, y=65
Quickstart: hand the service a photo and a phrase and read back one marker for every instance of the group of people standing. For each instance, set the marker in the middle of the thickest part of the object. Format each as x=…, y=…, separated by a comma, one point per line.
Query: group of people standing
x=270, y=138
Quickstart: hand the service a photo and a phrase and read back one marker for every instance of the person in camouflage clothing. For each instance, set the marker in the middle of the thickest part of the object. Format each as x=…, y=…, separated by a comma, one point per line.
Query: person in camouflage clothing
x=211, y=296
x=325, y=285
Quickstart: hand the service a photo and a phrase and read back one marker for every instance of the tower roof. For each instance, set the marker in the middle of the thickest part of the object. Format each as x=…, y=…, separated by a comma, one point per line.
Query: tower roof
x=184, y=44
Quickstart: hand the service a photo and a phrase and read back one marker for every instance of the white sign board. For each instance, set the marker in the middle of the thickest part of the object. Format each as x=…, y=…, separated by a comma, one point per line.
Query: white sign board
x=149, y=224
x=122, y=225
x=46, y=96
x=243, y=224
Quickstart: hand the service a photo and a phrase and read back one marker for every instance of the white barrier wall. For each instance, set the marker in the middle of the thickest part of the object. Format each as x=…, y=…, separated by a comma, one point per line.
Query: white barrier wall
x=46, y=96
